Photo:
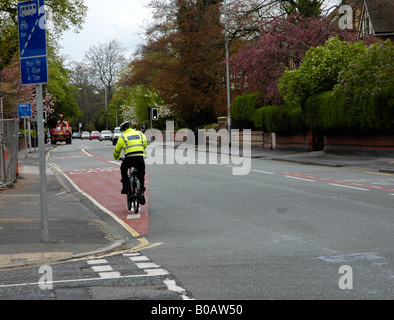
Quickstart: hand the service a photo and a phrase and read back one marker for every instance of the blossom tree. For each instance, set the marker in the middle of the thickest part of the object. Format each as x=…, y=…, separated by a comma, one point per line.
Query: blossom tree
x=282, y=44
x=22, y=93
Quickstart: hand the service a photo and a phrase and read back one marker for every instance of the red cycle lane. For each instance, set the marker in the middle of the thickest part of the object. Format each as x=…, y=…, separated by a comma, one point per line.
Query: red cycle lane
x=103, y=185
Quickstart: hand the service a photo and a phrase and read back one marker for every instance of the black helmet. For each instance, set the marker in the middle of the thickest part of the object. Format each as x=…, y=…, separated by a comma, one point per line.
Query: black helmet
x=125, y=125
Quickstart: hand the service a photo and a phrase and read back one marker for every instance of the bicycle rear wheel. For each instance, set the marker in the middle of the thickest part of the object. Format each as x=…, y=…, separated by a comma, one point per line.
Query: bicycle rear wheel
x=136, y=195
x=129, y=199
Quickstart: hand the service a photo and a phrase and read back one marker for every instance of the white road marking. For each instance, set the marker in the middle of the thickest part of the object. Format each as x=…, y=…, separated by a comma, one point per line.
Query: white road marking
x=97, y=261
x=78, y=280
x=102, y=268
x=260, y=171
x=147, y=265
x=110, y=275
x=345, y=186
x=139, y=258
x=300, y=178
x=86, y=153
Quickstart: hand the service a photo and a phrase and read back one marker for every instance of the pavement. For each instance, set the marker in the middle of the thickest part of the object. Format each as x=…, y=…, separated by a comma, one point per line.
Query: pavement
x=78, y=228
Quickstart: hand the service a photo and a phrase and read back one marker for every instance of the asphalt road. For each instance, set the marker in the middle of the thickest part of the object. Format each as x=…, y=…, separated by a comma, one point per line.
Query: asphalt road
x=283, y=231
x=280, y=231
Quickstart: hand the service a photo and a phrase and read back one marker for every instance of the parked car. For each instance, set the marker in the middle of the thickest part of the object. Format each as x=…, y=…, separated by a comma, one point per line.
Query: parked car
x=105, y=135
x=94, y=135
x=85, y=135
x=76, y=135
x=116, y=135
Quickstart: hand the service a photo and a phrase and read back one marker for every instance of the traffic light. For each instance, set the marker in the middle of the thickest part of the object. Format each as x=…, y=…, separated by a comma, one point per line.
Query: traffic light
x=154, y=114
x=44, y=116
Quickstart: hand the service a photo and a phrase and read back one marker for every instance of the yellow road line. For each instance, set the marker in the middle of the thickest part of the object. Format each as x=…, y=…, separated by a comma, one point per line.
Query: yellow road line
x=143, y=242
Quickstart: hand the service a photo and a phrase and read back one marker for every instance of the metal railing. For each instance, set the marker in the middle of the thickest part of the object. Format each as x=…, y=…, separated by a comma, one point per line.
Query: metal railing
x=9, y=138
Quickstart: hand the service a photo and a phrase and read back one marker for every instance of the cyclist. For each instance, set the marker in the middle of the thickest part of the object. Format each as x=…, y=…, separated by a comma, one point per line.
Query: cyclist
x=134, y=143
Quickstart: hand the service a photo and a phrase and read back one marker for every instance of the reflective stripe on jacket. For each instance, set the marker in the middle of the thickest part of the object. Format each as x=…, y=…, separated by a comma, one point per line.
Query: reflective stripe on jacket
x=133, y=142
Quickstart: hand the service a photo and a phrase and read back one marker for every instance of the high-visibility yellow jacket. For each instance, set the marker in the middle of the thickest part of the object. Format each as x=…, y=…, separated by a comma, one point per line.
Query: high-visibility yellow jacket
x=133, y=142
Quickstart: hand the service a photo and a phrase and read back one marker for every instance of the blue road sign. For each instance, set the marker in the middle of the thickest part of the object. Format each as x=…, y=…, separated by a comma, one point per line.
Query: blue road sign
x=24, y=110
x=32, y=42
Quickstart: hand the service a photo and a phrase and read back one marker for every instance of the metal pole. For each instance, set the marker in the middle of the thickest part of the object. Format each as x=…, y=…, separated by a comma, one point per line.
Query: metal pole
x=106, y=107
x=2, y=159
x=25, y=128
x=41, y=151
x=227, y=75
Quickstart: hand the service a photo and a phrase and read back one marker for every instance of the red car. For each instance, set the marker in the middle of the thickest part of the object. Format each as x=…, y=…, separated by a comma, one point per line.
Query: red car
x=94, y=135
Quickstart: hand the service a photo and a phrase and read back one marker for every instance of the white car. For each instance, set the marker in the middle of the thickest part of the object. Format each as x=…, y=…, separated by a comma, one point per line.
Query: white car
x=105, y=135
x=116, y=135
x=85, y=135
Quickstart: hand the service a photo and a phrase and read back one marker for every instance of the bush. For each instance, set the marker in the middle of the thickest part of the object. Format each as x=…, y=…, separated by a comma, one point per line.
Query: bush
x=319, y=70
x=332, y=113
x=369, y=74
x=260, y=115
x=244, y=106
x=280, y=119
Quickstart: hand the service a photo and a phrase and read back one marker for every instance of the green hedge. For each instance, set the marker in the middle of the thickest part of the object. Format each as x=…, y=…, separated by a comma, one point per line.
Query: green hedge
x=244, y=106
x=328, y=112
x=280, y=119
x=325, y=113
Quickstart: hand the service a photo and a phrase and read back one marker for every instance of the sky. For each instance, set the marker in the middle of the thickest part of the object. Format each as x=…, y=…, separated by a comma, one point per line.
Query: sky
x=107, y=20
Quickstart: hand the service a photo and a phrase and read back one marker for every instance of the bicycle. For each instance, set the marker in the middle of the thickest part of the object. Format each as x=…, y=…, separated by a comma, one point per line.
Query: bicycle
x=133, y=190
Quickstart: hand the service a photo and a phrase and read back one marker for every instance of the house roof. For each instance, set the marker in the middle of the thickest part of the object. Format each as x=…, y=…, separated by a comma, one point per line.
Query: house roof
x=381, y=13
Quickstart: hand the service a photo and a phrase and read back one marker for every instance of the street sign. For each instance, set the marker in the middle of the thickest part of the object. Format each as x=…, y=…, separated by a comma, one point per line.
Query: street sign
x=32, y=42
x=24, y=110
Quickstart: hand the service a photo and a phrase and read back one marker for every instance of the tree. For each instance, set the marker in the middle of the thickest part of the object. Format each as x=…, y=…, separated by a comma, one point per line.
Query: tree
x=105, y=62
x=86, y=90
x=282, y=44
x=369, y=74
x=23, y=94
x=59, y=87
x=319, y=70
x=183, y=59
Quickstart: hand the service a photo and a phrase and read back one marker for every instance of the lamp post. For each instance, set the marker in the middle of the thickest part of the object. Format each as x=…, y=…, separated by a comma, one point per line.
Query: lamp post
x=106, y=106
x=227, y=75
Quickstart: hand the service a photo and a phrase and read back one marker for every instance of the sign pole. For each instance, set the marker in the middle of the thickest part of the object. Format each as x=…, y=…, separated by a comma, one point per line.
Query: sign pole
x=34, y=70
x=41, y=152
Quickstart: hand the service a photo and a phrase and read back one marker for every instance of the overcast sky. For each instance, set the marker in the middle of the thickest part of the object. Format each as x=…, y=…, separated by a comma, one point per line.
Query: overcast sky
x=106, y=20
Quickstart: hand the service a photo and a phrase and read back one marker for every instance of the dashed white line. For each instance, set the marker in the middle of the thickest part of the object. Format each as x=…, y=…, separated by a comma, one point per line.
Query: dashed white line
x=97, y=261
x=260, y=171
x=345, y=186
x=156, y=272
x=147, y=265
x=102, y=268
x=139, y=258
x=303, y=179
x=110, y=275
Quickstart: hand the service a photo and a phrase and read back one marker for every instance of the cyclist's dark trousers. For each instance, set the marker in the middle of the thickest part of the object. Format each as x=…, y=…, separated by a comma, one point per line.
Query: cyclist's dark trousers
x=136, y=162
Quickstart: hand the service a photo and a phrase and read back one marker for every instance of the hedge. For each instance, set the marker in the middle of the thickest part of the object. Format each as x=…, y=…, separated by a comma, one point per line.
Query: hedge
x=280, y=119
x=328, y=112
x=244, y=106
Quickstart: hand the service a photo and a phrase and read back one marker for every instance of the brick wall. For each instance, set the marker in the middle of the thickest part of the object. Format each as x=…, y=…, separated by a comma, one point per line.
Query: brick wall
x=296, y=142
x=365, y=146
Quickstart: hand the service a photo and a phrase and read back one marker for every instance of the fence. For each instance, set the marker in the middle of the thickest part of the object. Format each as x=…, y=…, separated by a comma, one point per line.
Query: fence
x=9, y=133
